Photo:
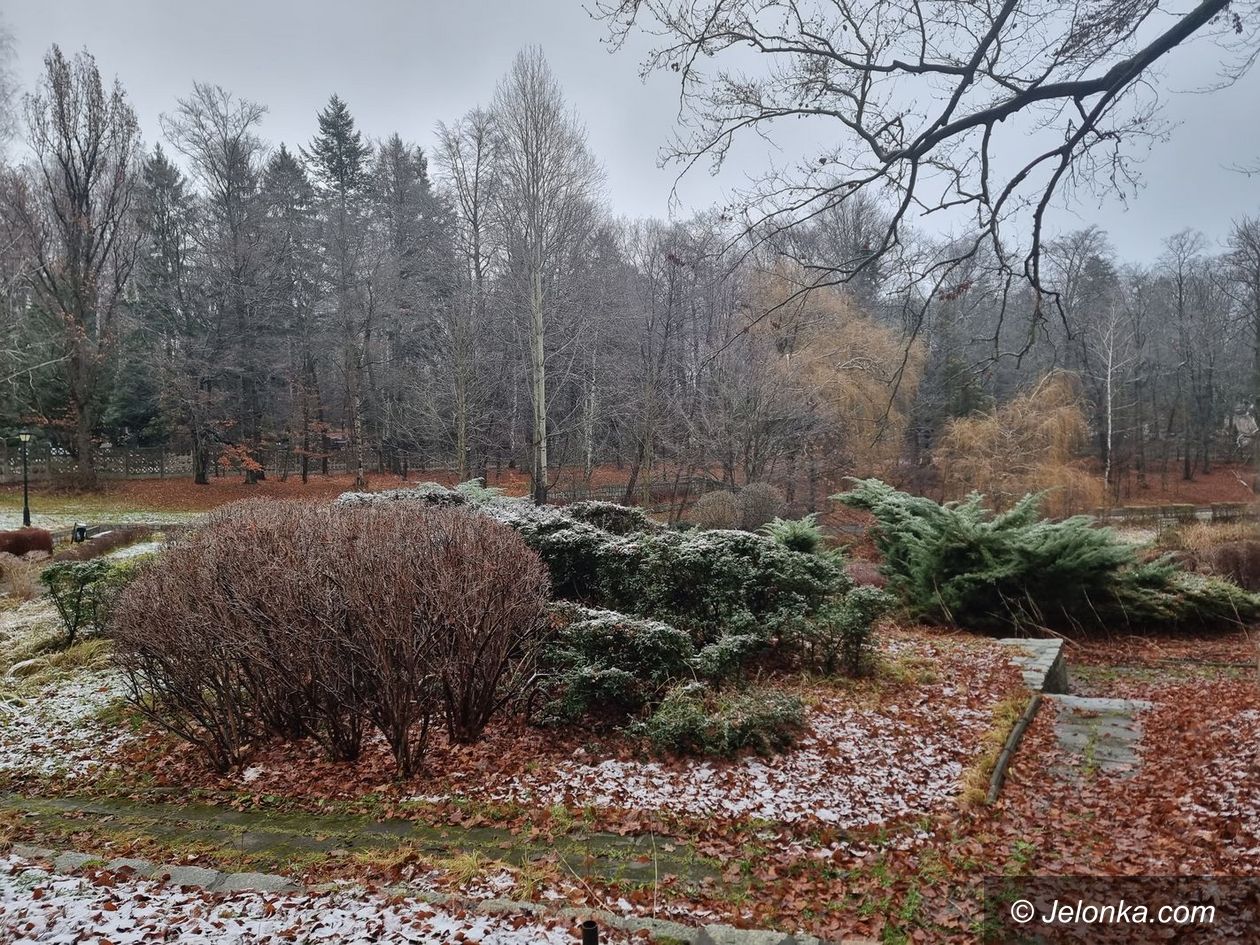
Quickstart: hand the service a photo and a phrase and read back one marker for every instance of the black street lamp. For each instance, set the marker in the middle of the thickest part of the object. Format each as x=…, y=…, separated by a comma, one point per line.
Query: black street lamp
x=25, y=437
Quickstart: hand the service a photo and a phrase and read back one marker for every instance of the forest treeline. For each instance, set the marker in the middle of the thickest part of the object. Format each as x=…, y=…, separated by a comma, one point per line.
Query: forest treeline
x=475, y=305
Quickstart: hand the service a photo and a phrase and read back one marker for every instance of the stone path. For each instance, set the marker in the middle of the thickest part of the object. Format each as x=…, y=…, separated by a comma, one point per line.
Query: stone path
x=285, y=839
x=1041, y=662
x=1104, y=734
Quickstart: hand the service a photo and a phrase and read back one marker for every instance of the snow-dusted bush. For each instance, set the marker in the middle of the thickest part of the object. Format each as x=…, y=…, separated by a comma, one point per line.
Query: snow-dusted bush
x=426, y=493
x=607, y=665
x=584, y=560
x=714, y=580
x=726, y=656
x=842, y=635
x=614, y=518
x=694, y=720
x=476, y=490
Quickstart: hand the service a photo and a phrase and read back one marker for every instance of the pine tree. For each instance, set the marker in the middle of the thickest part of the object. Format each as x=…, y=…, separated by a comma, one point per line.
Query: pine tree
x=339, y=164
x=337, y=156
x=289, y=197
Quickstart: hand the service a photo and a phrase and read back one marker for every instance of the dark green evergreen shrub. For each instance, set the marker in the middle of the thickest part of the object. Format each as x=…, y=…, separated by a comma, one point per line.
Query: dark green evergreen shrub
x=801, y=534
x=694, y=720
x=727, y=656
x=842, y=636
x=85, y=592
x=706, y=581
x=614, y=518
x=611, y=665
x=1014, y=571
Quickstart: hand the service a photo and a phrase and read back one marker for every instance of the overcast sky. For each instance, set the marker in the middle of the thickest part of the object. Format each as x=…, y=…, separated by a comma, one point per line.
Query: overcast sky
x=403, y=65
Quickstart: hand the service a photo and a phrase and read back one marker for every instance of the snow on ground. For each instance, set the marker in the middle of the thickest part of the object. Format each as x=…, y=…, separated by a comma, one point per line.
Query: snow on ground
x=133, y=551
x=36, y=906
x=857, y=767
x=52, y=728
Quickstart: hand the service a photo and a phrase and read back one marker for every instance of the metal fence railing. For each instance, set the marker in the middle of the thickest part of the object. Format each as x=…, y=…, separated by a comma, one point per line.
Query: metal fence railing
x=1170, y=516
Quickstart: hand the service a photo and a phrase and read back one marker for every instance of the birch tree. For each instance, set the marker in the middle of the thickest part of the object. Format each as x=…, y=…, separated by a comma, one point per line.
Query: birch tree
x=467, y=156
x=545, y=206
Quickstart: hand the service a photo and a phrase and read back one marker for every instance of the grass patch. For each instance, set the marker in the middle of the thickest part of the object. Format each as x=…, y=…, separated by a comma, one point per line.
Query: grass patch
x=1198, y=537
x=975, y=779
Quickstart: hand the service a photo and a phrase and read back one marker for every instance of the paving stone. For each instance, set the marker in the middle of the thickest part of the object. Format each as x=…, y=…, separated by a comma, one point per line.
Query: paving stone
x=32, y=853
x=257, y=882
x=1105, y=733
x=189, y=876
x=70, y=861
x=1099, y=705
x=139, y=867
x=729, y=935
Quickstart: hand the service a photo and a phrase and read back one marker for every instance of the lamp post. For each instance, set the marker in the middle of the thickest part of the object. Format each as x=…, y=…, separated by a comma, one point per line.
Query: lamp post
x=25, y=437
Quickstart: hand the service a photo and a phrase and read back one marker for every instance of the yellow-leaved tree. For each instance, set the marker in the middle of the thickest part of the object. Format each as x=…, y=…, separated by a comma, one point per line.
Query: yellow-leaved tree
x=1032, y=443
x=854, y=377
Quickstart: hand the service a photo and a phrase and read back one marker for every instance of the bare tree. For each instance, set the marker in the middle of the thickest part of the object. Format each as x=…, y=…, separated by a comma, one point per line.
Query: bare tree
x=1244, y=263
x=217, y=132
x=8, y=89
x=548, y=182
x=72, y=208
x=921, y=98
x=466, y=155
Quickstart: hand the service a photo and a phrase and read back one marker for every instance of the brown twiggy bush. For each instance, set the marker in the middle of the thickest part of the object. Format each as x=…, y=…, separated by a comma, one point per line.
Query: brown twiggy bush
x=715, y=510
x=288, y=619
x=759, y=503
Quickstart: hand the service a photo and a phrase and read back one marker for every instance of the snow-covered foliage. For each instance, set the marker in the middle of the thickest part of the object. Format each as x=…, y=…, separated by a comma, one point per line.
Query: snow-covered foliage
x=612, y=663
x=431, y=493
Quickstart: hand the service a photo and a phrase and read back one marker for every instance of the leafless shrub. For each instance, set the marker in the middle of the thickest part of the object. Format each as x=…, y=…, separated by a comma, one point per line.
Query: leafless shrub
x=759, y=502
x=716, y=510
x=285, y=619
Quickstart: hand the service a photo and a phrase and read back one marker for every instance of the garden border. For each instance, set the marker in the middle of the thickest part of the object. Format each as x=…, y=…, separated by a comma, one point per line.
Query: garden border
x=216, y=881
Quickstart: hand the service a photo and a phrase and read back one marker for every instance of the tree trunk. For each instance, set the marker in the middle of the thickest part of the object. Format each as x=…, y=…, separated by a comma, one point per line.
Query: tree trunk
x=85, y=448
x=538, y=384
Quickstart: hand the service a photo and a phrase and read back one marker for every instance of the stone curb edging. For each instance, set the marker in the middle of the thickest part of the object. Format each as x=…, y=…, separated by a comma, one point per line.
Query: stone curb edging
x=1041, y=662
x=215, y=881
x=1008, y=750
x=208, y=879
x=1044, y=669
